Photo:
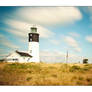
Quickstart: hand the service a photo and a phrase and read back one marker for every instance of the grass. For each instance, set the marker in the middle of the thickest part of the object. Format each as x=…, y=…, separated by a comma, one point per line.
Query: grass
x=45, y=74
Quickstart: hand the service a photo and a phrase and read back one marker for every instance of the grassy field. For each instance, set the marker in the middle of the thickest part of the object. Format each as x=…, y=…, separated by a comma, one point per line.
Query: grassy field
x=45, y=74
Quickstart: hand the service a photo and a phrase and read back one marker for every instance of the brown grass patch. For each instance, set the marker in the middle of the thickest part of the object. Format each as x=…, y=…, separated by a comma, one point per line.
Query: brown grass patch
x=45, y=74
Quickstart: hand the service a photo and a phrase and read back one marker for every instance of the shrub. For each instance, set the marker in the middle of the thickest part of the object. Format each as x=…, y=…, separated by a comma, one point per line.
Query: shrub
x=54, y=75
x=73, y=78
x=85, y=61
x=79, y=83
x=64, y=67
x=88, y=79
x=29, y=78
x=86, y=67
x=74, y=68
x=17, y=66
x=80, y=78
x=34, y=67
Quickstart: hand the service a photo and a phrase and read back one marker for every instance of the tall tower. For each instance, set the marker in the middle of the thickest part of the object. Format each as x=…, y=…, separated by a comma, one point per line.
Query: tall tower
x=33, y=41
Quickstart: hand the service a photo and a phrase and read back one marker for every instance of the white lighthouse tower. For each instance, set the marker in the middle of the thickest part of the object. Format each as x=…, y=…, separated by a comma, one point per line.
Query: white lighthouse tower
x=33, y=44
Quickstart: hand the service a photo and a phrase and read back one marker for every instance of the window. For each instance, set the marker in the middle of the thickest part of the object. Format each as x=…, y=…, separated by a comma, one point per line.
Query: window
x=15, y=59
x=30, y=39
x=30, y=51
x=28, y=59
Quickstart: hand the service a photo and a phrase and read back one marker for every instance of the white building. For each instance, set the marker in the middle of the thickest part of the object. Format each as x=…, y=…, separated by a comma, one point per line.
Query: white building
x=17, y=56
x=32, y=55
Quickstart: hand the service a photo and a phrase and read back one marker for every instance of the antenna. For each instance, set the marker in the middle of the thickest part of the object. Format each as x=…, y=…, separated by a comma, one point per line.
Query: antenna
x=67, y=57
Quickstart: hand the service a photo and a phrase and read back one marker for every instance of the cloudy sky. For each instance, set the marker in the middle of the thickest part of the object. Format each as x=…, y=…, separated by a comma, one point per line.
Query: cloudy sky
x=60, y=29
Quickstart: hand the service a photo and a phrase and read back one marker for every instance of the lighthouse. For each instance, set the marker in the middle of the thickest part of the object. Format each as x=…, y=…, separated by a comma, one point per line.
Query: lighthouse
x=32, y=55
x=33, y=44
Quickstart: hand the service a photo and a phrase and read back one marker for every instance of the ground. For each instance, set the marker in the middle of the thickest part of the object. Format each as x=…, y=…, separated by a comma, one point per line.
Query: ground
x=45, y=74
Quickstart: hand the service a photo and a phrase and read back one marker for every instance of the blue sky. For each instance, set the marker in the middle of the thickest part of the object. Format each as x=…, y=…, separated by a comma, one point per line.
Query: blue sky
x=60, y=29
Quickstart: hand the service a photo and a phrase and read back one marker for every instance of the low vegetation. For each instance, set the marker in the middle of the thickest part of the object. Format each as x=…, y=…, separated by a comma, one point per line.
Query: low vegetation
x=45, y=74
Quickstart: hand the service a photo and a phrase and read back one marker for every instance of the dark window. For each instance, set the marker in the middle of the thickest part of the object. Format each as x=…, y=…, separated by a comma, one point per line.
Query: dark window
x=33, y=37
x=15, y=59
x=30, y=39
x=30, y=51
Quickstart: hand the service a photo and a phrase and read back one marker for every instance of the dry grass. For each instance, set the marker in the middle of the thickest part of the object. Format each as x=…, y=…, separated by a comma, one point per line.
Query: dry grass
x=45, y=74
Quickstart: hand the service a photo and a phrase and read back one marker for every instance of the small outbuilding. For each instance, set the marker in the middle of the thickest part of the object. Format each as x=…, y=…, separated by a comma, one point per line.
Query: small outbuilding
x=18, y=56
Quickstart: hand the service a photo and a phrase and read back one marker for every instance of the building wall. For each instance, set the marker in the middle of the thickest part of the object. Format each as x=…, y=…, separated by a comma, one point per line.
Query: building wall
x=34, y=51
x=14, y=57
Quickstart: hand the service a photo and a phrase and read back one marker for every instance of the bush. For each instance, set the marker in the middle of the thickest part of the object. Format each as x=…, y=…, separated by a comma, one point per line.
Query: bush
x=80, y=78
x=23, y=66
x=86, y=67
x=29, y=78
x=85, y=61
x=17, y=66
x=64, y=68
x=54, y=75
x=88, y=79
x=74, y=68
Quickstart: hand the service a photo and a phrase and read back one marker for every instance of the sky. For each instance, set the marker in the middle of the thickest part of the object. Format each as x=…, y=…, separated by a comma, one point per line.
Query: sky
x=61, y=29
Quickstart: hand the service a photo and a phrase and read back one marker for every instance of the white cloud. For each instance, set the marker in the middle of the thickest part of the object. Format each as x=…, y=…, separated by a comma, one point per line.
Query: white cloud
x=45, y=33
x=5, y=42
x=74, y=34
x=77, y=49
x=1, y=36
x=22, y=29
x=24, y=17
x=89, y=11
x=52, y=56
x=55, y=42
x=3, y=55
x=10, y=45
x=49, y=15
x=89, y=39
x=72, y=43
x=51, y=53
x=57, y=56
